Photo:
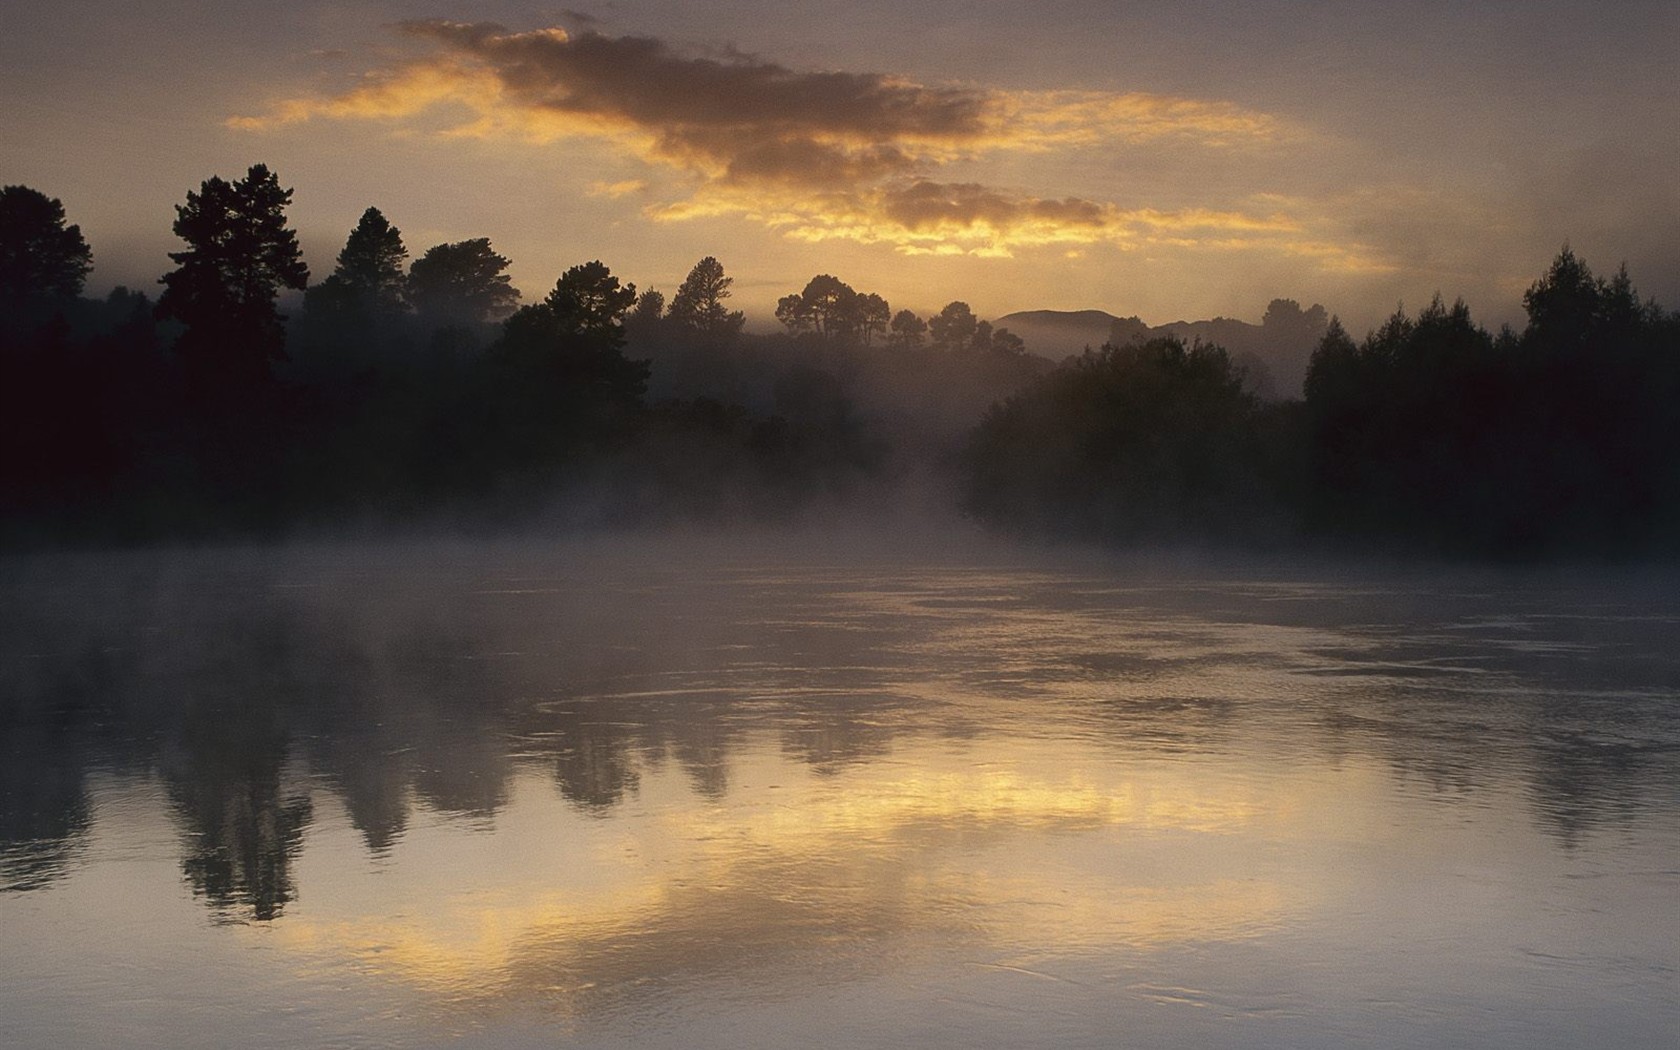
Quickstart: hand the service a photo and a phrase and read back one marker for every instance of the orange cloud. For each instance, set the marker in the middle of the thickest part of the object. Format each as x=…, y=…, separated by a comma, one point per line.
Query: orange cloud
x=820, y=156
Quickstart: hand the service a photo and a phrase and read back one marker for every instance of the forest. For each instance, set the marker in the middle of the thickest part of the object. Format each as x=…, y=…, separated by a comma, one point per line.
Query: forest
x=422, y=393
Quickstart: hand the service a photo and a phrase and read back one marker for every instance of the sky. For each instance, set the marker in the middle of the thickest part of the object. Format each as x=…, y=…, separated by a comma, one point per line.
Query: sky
x=1172, y=160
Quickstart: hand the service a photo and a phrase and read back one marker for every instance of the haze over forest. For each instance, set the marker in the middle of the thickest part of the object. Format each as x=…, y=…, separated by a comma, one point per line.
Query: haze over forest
x=415, y=394
x=657, y=262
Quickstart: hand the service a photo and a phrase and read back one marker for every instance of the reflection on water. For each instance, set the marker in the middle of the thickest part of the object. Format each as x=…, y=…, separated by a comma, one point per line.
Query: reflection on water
x=461, y=797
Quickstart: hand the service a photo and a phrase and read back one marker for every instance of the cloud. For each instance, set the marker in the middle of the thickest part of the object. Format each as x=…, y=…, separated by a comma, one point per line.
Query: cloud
x=818, y=155
x=615, y=190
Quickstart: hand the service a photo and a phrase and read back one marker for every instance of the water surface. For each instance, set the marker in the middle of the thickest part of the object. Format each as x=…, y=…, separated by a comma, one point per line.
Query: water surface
x=635, y=795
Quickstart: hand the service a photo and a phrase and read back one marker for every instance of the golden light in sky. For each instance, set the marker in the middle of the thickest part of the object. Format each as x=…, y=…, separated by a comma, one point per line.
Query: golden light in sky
x=1164, y=160
x=817, y=156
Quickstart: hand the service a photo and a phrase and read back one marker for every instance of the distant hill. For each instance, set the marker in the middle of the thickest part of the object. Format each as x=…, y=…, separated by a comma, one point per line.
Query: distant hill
x=1057, y=333
x=1275, y=352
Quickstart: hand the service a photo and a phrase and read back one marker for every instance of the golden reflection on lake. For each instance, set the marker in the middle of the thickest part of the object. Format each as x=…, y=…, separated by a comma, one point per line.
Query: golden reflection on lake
x=1005, y=850
x=451, y=797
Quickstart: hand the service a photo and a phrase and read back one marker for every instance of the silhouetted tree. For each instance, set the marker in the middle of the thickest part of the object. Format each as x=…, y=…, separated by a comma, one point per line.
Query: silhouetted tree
x=1414, y=432
x=648, y=312
x=874, y=314
x=698, y=308
x=39, y=254
x=564, y=382
x=1330, y=377
x=1285, y=318
x=953, y=327
x=1564, y=306
x=1004, y=341
x=461, y=283
x=908, y=330
x=588, y=301
x=240, y=253
x=1150, y=441
x=1288, y=336
x=827, y=306
x=369, y=277
x=792, y=312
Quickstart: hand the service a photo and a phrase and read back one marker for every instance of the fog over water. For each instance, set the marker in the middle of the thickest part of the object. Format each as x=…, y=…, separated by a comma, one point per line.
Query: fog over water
x=833, y=789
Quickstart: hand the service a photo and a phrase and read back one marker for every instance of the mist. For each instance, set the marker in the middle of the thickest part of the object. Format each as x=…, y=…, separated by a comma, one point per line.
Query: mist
x=425, y=396
x=389, y=656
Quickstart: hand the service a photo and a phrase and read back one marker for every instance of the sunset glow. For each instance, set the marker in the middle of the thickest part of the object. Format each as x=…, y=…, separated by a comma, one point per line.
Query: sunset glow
x=1170, y=163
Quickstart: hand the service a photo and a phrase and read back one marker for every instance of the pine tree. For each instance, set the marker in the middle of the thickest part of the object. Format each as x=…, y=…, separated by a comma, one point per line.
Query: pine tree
x=39, y=255
x=698, y=305
x=372, y=262
x=461, y=283
x=239, y=255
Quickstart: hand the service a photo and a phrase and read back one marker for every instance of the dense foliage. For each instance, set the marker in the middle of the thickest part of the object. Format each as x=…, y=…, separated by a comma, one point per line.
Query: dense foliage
x=395, y=396
x=1155, y=440
x=412, y=393
x=1559, y=437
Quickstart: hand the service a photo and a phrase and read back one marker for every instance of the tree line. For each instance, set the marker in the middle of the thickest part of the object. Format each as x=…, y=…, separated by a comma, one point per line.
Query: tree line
x=406, y=389
x=1430, y=433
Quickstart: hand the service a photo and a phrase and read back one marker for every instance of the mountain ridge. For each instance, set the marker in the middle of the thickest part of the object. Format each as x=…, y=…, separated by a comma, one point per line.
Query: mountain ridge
x=1274, y=353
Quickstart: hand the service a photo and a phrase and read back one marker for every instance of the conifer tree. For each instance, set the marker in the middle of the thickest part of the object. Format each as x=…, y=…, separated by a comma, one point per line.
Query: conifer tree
x=240, y=253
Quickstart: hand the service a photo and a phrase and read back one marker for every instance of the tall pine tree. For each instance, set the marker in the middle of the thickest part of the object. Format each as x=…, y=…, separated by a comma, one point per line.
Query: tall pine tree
x=240, y=253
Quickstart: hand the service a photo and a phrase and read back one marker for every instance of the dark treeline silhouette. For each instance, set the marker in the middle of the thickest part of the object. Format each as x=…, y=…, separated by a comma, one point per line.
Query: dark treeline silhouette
x=1152, y=441
x=401, y=391
x=1431, y=433
x=1562, y=436
x=405, y=390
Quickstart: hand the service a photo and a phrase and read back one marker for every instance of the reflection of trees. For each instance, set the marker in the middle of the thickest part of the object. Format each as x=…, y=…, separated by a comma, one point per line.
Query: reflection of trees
x=372, y=778
x=1577, y=775
x=702, y=747
x=600, y=747
x=43, y=808
x=1579, y=783
x=393, y=691
x=593, y=765
x=1464, y=693
x=839, y=732
x=241, y=828
x=466, y=773
x=242, y=836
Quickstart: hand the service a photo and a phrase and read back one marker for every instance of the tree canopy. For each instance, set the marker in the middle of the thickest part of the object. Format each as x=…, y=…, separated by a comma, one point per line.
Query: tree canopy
x=372, y=261
x=1148, y=441
x=827, y=306
x=698, y=305
x=1429, y=432
x=461, y=283
x=953, y=328
x=240, y=253
x=39, y=254
x=908, y=330
x=587, y=300
x=563, y=381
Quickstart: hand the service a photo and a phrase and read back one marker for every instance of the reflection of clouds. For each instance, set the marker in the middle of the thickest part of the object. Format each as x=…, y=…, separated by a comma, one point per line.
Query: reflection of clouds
x=993, y=845
x=409, y=693
x=824, y=155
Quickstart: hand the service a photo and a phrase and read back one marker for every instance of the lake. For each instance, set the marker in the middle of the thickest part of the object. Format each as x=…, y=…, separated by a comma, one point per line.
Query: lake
x=650, y=793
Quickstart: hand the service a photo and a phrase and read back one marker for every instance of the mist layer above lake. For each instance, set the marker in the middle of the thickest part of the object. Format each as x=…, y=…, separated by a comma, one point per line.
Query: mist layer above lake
x=636, y=794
